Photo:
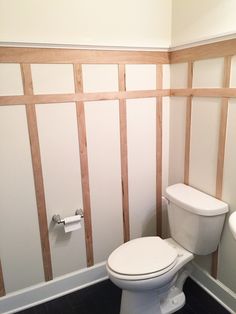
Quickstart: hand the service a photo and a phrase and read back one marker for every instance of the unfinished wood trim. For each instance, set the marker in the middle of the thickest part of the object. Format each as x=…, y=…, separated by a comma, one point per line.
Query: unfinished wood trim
x=221, y=151
x=204, y=92
x=159, y=107
x=187, y=139
x=37, y=173
x=80, y=56
x=84, y=165
x=213, y=50
x=61, y=98
x=124, y=155
x=221, y=148
x=2, y=287
x=27, y=79
x=188, y=126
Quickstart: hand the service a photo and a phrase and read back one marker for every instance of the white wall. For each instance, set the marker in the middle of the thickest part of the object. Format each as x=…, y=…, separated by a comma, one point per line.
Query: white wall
x=205, y=123
x=140, y=23
x=130, y=23
x=197, y=20
x=58, y=136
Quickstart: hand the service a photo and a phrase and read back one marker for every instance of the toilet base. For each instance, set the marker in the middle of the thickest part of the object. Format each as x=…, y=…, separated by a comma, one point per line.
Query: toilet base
x=151, y=302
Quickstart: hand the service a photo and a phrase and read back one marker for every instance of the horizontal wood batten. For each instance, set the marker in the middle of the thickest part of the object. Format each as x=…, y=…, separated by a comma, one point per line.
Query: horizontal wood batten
x=60, y=98
x=204, y=92
x=214, y=50
x=56, y=55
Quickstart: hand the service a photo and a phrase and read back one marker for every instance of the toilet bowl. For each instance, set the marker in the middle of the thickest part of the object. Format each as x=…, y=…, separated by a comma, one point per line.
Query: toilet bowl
x=151, y=271
x=138, y=268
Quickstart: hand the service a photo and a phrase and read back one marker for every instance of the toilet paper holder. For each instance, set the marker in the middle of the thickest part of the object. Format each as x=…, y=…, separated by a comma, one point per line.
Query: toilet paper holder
x=57, y=218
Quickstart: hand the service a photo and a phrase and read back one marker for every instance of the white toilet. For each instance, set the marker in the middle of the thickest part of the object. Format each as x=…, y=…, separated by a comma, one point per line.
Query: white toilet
x=150, y=270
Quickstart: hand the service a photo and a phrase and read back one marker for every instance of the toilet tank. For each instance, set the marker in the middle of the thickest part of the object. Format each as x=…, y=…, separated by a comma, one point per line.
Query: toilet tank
x=196, y=219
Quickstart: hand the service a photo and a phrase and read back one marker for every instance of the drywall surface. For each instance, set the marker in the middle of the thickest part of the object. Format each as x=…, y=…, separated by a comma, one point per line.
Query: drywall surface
x=133, y=23
x=205, y=124
x=61, y=166
x=198, y=20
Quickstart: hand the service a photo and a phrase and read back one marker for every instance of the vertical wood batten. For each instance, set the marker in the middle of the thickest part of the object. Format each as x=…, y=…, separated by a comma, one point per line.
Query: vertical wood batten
x=78, y=80
x=124, y=155
x=2, y=287
x=37, y=172
x=188, y=125
x=159, y=85
x=221, y=151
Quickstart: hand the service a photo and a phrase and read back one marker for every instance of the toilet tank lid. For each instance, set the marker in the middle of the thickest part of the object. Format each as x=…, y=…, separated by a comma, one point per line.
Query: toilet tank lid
x=195, y=201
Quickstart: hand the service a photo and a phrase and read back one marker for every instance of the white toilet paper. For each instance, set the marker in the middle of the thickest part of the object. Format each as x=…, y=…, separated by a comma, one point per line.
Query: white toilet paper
x=72, y=223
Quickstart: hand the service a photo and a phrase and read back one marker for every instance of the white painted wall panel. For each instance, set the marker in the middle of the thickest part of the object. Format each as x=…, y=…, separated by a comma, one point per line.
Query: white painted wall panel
x=10, y=78
x=177, y=139
x=141, y=136
x=179, y=75
x=52, y=78
x=140, y=76
x=208, y=73
x=100, y=77
x=19, y=231
x=103, y=143
x=204, y=143
x=233, y=72
x=61, y=171
x=227, y=253
x=166, y=75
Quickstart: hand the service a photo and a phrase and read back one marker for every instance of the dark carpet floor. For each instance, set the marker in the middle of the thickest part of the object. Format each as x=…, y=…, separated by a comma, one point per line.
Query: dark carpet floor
x=104, y=298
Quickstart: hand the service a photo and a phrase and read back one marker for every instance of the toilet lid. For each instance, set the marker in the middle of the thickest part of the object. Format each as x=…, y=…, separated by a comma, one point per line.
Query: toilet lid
x=142, y=256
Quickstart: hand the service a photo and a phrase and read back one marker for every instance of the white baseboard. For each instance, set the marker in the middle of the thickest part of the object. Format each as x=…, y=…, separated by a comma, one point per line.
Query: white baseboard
x=222, y=294
x=43, y=292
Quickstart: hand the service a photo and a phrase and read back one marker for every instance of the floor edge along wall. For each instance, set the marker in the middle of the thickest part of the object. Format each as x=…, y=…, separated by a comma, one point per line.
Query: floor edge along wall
x=27, y=56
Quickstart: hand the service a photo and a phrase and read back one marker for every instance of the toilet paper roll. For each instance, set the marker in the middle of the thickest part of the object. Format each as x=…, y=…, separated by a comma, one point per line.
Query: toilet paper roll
x=72, y=223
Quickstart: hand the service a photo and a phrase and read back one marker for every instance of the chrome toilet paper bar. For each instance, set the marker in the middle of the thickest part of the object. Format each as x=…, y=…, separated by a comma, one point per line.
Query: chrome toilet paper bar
x=57, y=218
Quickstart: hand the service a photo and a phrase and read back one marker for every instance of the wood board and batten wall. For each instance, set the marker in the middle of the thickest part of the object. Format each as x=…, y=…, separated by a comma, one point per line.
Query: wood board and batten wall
x=79, y=129
x=202, y=111
x=88, y=132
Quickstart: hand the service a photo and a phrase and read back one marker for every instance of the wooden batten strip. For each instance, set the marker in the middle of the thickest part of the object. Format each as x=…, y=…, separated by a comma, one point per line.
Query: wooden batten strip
x=2, y=287
x=204, y=92
x=81, y=56
x=84, y=165
x=77, y=97
x=124, y=155
x=37, y=172
x=221, y=152
x=159, y=108
x=213, y=50
x=188, y=126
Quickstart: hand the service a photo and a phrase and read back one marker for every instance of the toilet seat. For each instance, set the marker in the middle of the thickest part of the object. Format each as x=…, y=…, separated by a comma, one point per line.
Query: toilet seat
x=142, y=258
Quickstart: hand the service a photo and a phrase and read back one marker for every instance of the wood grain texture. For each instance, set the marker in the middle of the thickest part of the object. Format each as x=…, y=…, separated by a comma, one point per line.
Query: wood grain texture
x=37, y=172
x=213, y=50
x=61, y=98
x=124, y=155
x=80, y=56
x=204, y=92
x=221, y=148
x=84, y=166
x=2, y=287
x=188, y=125
x=159, y=105
x=221, y=151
